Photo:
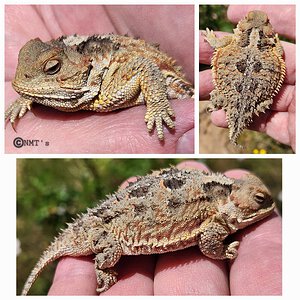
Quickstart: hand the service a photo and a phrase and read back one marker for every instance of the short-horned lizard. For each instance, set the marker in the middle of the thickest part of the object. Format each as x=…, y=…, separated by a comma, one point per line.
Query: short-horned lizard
x=165, y=211
x=248, y=71
x=98, y=73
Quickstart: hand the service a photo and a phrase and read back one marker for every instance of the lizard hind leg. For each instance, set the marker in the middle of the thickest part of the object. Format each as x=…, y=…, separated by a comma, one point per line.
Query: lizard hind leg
x=177, y=87
x=217, y=101
x=108, y=252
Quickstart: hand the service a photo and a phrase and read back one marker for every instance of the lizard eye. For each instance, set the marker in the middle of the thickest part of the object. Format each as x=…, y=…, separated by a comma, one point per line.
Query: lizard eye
x=259, y=197
x=52, y=66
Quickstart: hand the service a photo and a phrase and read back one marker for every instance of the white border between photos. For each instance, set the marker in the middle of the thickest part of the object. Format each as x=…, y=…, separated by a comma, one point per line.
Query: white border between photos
x=290, y=164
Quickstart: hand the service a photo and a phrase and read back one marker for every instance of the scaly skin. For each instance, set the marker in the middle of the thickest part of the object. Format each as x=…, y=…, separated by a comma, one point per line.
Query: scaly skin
x=98, y=73
x=248, y=71
x=165, y=211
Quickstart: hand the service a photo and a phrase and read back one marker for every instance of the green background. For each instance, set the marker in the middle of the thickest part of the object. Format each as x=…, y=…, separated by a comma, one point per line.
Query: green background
x=52, y=191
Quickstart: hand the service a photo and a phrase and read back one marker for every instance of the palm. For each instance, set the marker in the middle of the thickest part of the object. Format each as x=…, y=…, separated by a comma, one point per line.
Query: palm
x=120, y=132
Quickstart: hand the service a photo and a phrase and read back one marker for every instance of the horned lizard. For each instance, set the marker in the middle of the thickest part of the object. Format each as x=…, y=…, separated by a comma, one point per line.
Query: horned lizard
x=248, y=71
x=165, y=211
x=98, y=73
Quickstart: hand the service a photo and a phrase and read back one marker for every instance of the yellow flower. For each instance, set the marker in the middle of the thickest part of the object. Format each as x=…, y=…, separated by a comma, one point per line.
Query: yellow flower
x=259, y=151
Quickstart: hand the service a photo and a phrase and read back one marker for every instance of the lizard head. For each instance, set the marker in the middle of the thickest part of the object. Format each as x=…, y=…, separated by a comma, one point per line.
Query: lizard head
x=249, y=201
x=53, y=74
x=256, y=19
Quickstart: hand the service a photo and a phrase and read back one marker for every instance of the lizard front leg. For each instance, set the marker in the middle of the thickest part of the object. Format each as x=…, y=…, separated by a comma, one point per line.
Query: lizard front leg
x=215, y=42
x=154, y=90
x=211, y=241
x=108, y=252
x=133, y=83
x=17, y=109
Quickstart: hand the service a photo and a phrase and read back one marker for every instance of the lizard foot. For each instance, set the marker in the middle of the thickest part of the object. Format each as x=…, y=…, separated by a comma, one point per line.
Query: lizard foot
x=105, y=279
x=157, y=116
x=231, y=251
x=17, y=109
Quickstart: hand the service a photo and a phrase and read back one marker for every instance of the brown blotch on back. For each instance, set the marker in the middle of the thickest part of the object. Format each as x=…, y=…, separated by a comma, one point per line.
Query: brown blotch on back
x=257, y=66
x=139, y=191
x=173, y=183
x=214, y=190
x=174, y=202
x=241, y=65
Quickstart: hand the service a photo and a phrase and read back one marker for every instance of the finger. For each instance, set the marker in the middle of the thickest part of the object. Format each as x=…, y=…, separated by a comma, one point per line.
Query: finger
x=218, y=117
x=278, y=125
x=135, y=276
x=188, y=272
x=282, y=17
x=289, y=58
x=205, y=84
x=285, y=98
x=205, y=50
x=192, y=164
x=126, y=183
x=186, y=143
x=74, y=276
x=236, y=173
x=258, y=268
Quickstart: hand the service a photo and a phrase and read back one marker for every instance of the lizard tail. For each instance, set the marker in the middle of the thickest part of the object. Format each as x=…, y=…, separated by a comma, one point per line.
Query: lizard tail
x=57, y=249
x=45, y=260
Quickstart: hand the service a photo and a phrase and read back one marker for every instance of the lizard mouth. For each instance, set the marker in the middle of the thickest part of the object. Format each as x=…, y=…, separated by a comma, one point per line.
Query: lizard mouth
x=40, y=92
x=257, y=216
x=66, y=99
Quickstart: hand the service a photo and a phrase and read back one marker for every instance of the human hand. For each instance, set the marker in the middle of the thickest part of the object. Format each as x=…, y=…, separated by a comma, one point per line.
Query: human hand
x=256, y=270
x=279, y=121
x=121, y=131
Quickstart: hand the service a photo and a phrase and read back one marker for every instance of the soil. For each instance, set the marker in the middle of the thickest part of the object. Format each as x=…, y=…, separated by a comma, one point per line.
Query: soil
x=213, y=139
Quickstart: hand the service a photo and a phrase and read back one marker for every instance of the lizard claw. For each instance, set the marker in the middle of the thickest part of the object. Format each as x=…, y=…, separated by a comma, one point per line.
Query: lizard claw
x=231, y=251
x=105, y=279
x=157, y=117
x=17, y=109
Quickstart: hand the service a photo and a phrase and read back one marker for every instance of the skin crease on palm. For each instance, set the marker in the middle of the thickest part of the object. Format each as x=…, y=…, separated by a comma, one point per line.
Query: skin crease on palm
x=187, y=271
x=121, y=131
x=279, y=122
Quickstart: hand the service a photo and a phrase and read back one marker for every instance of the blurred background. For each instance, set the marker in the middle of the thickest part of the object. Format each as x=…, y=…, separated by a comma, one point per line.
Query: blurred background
x=52, y=191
